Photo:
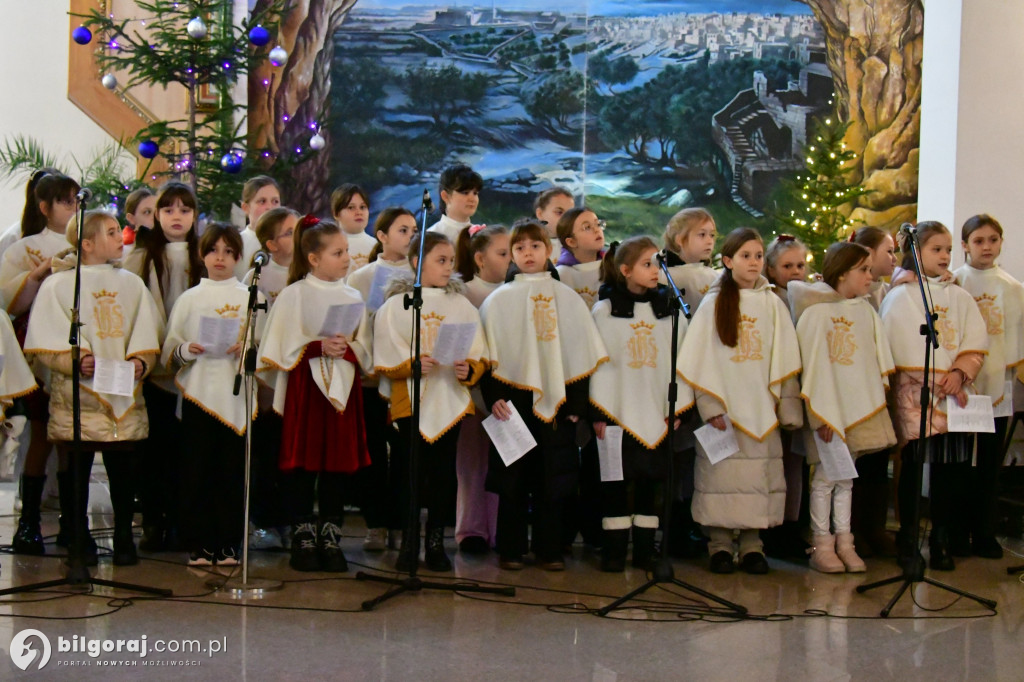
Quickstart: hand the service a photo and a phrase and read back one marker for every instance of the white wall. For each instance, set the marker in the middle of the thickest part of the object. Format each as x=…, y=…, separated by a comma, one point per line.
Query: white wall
x=35, y=93
x=972, y=142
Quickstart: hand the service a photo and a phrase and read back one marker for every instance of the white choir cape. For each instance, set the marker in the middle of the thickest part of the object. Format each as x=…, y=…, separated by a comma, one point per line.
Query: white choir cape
x=449, y=228
x=293, y=323
x=443, y=399
x=747, y=379
x=23, y=256
x=250, y=245
x=359, y=247
x=694, y=280
x=632, y=387
x=16, y=378
x=541, y=338
x=846, y=357
x=1000, y=300
x=273, y=280
x=208, y=381
x=119, y=321
x=477, y=290
x=362, y=279
x=583, y=278
x=176, y=272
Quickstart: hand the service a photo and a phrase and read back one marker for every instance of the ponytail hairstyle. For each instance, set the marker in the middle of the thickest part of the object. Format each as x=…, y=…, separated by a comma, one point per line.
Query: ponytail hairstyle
x=566, y=223
x=527, y=228
x=777, y=247
x=472, y=240
x=92, y=224
x=926, y=229
x=976, y=222
x=432, y=241
x=840, y=258
x=727, y=303
x=268, y=225
x=384, y=221
x=156, y=243
x=682, y=223
x=625, y=253
x=869, y=236
x=311, y=233
x=458, y=178
x=49, y=188
x=32, y=219
x=341, y=197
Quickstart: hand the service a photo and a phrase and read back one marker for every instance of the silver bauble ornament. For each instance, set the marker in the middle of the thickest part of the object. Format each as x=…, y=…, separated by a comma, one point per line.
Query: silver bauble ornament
x=278, y=56
x=317, y=142
x=109, y=81
x=196, y=28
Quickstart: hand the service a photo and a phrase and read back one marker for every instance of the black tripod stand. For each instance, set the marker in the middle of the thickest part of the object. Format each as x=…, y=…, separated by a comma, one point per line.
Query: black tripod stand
x=412, y=583
x=913, y=567
x=78, y=572
x=663, y=571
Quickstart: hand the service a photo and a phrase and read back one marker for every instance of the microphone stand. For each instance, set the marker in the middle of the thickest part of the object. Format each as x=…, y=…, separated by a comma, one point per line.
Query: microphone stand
x=412, y=583
x=913, y=567
x=662, y=571
x=78, y=573
x=247, y=586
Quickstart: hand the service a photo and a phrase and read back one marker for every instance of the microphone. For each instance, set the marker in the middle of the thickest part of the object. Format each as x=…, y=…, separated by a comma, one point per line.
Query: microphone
x=660, y=255
x=260, y=259
x=908, y=229
x=84, y=195
x=428, y=204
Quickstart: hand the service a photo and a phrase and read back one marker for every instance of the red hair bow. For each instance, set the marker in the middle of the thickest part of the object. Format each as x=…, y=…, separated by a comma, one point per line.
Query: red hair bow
x=309, y=220
x=473, y=229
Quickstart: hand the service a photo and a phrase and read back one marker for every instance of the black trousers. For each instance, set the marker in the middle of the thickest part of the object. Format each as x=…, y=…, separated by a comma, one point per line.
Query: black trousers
x=984, y=486
x=159, y=471
x=269, y=507
x=119, y=459
x=327, y=489
x=437, y=482
x=948, y=482
x=371, y=483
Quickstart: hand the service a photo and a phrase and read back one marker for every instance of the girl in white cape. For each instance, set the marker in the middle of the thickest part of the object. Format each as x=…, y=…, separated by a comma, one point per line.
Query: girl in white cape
x=631, y=391
x=689, y=245
x=543, y=348
x=963, y=344
x=213, y=419
x=444, y=389
x=741, y=357
x=846, y=365
x=314, y=371
x=120, y=323
x=1000, y=300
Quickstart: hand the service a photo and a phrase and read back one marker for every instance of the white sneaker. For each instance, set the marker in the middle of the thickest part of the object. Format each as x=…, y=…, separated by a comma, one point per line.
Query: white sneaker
x=263, y=538
x=376, y=540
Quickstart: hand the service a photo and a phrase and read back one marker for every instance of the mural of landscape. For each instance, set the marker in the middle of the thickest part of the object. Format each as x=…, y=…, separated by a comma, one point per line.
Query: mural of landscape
x=638, y=108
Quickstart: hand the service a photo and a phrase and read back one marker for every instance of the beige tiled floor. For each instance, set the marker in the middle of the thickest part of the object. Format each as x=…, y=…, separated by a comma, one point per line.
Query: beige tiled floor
x=314, y=628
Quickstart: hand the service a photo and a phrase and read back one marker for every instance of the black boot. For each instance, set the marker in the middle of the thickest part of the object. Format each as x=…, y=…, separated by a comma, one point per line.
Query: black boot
x=940, y=558
x=643, y=544
x=434, y=556
x=122, y=498
x=304, y=554
x=408, y=558
x=332, y=559
x=615, y=544
x=29, y=538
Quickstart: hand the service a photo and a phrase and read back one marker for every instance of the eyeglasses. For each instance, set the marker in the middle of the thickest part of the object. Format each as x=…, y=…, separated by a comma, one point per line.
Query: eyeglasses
x=590, y=227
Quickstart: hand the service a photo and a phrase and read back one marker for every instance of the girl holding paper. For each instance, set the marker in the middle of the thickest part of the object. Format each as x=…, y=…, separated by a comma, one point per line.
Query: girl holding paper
x=315, y=377
x=444, y=390
x=741, y=357
x=1000, y=300
x=846, y=365
x=120, y=324
x=544, y=347
x=631, y=392
x=963, y=344
x=213, y=419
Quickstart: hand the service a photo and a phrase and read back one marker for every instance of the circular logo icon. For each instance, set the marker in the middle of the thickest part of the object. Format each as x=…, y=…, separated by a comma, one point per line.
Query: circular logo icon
x=24, y=649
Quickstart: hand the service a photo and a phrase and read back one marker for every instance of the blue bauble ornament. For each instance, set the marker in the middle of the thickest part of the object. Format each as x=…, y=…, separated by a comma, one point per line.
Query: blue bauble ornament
x=259, y=36
x=81, y=35
x=231, y=163
x=148, y=149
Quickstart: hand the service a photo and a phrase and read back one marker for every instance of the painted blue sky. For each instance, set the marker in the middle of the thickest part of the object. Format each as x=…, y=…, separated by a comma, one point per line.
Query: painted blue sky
x=610, y=7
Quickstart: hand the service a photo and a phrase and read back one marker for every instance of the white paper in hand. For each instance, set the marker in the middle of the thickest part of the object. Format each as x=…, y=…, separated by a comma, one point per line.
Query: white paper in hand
x=381, y=276
x=342, y=318
x=836, y=460
x=116, y=377
x=217, y=334
x=512, y=438
x=717, y=444
x=609, y=454
x=454, y=339
x=975, y=418
x=1005, y=407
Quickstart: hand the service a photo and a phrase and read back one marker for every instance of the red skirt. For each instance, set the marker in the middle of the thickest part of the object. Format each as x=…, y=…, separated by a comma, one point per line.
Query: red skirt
x=315, y=436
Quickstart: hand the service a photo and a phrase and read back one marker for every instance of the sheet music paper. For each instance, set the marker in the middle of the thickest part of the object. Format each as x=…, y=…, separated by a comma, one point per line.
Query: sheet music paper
x=381, y=277
x=512, y=438
x=116, y=377
x=609, y=454
x=975, y=418
x=835, y=457
x=717, y=444
x=217, y=334
x=454, y=339
x=342, y=318
x=1005, y=408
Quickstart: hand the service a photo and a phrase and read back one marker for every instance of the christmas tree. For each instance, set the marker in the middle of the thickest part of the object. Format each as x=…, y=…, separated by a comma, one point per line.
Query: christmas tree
x=815, y=206
x=196, y=44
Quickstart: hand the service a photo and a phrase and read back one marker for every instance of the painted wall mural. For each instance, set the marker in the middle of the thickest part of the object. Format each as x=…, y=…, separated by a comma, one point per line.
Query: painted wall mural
x=639, y=107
